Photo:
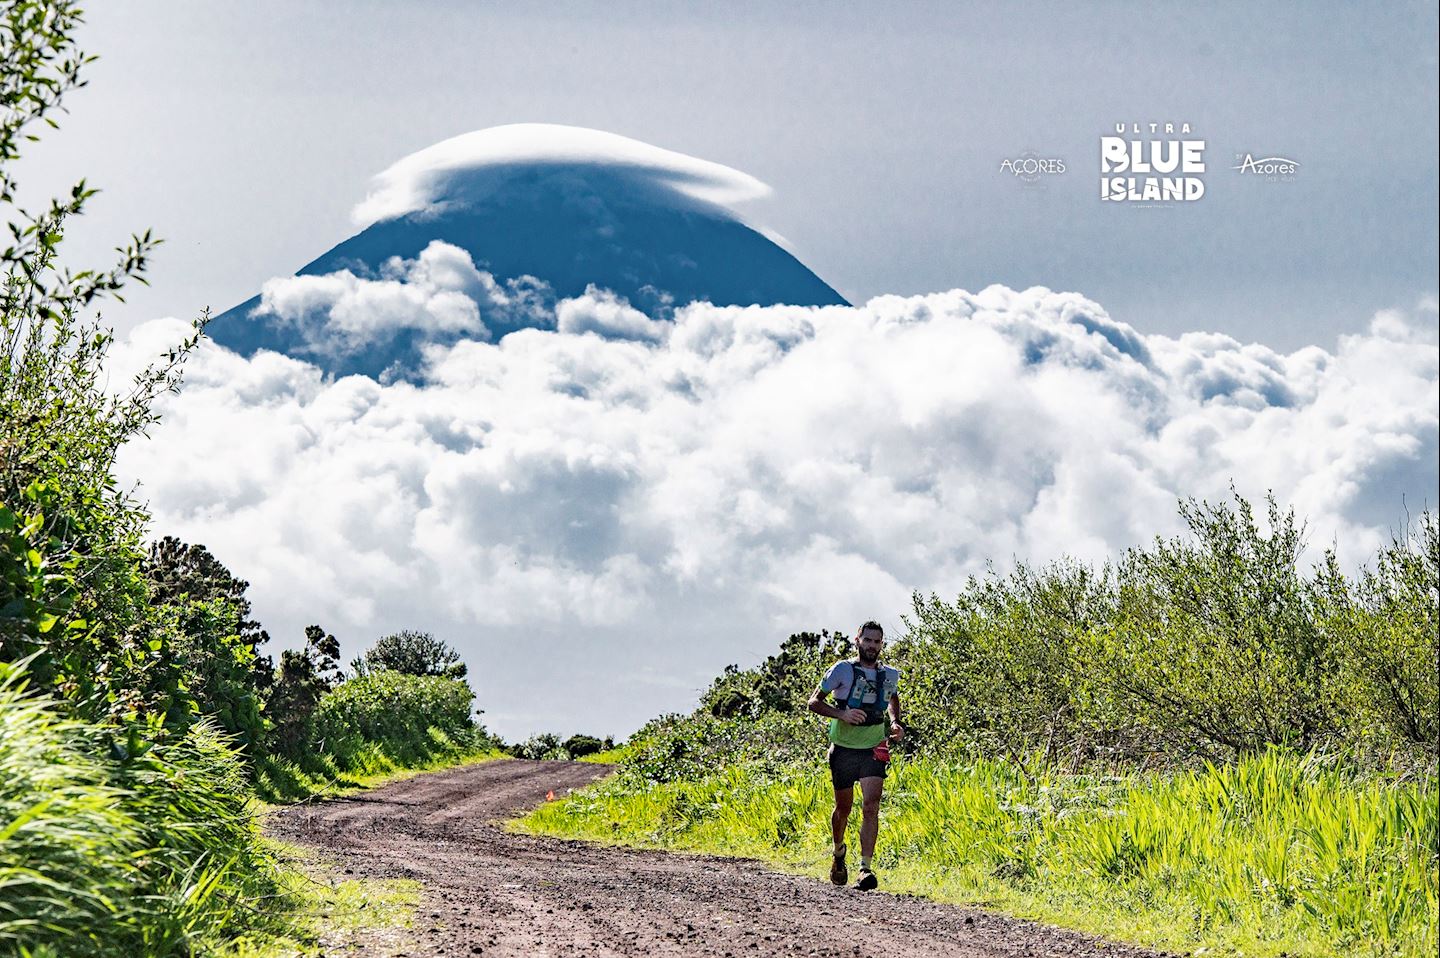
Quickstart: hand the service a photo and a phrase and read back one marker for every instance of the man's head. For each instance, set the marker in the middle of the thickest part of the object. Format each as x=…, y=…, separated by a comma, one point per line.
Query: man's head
x=869, y=640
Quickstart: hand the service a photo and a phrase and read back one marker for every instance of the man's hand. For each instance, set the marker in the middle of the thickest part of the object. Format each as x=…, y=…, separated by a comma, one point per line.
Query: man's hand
x=896, y=731
x=852, y=716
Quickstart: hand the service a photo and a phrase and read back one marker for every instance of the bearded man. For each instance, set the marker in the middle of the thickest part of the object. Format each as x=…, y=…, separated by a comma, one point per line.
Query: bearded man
x=864, y=719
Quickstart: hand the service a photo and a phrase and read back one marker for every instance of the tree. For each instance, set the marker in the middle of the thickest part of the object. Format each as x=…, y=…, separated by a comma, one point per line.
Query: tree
x=577, y=745
x=414, y=653
x=303, y=677
x=782, y=683
x=85, y=614
x=216, y=641
x=179, y=571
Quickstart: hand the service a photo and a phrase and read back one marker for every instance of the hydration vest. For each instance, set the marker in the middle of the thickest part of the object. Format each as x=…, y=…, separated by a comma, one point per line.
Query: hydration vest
x=875, y=712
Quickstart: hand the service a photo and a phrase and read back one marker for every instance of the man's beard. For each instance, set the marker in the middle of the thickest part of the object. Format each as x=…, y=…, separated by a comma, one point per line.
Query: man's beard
x=869, y=658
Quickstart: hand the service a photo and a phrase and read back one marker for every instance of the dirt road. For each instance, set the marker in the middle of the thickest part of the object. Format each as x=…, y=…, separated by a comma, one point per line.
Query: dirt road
x=488, y=892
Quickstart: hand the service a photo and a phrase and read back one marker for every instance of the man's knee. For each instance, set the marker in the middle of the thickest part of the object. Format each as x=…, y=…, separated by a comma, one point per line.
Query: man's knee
x=870, y=806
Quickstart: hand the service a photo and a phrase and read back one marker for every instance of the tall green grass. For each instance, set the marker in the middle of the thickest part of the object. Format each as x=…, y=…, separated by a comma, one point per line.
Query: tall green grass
x=1276, y=853
x=117, y=849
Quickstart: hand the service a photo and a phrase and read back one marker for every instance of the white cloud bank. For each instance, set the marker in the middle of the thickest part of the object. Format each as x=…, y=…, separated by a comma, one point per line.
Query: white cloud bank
x=601, y=523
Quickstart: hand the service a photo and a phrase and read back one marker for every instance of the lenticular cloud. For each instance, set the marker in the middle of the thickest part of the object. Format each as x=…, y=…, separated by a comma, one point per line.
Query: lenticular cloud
x=624, y=504
x=465, y=168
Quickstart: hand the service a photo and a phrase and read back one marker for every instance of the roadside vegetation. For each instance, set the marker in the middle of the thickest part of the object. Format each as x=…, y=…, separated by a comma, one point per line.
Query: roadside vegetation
x=1201, y=745
x=140, y=715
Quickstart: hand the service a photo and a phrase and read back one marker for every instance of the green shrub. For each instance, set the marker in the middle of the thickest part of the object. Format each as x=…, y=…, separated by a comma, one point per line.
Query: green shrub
x=87, y=629
x=677, y=748
x=1210, y=645
x=395, y=713
x=782, y=683
x=578, y=746
x=1217, y=648
x=1004, y=669
x=1387, y=629
x=540, y=747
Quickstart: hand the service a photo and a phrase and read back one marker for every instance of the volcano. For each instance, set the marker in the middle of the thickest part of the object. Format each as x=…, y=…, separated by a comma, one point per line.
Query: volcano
x=544, y=213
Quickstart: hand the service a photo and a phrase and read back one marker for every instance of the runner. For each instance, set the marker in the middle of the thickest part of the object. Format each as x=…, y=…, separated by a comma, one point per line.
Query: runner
x=867, y=701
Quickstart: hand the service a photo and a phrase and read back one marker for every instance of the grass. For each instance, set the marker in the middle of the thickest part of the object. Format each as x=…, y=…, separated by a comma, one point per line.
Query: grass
x=1278, y=854
x=280, y=781
x=112, y=846
x=610, y=756
x=115, y=846
x=318, y=912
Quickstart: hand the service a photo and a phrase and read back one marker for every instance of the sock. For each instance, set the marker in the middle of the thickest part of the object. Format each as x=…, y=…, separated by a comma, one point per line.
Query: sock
x=865, y=863
x=839, y=849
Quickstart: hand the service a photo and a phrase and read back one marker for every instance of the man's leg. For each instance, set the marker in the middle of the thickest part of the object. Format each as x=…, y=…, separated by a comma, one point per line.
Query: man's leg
x=839, y=819
x=870, y=791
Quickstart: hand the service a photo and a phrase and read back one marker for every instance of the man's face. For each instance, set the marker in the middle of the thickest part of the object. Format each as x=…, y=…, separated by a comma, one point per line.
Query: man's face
x=870, y=642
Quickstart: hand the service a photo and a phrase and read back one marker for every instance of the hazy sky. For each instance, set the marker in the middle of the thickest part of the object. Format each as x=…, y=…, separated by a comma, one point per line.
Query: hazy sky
x=617, y=518
x=244, y=134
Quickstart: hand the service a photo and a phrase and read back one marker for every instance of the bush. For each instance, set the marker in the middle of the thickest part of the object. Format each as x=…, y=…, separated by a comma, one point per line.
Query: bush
x=782, y=683
x=1207, y=646
x=86, y=628
x=677, y=748
x=396, y=713
x=578, y=746
x=1004, y=669
x=1217, y=648
x=1388, y=635
x=541, y=747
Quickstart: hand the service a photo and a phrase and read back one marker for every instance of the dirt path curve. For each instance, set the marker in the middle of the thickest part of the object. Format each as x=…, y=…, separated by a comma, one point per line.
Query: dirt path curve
x=488, y=892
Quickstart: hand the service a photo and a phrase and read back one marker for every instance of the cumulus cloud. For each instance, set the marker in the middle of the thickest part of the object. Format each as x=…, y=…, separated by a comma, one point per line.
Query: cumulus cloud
x=601, y=311
x=584, y=507
x=440, y=292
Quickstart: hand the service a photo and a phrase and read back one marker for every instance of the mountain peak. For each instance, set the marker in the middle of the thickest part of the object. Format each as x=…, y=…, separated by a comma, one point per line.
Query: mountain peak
x=486, y=233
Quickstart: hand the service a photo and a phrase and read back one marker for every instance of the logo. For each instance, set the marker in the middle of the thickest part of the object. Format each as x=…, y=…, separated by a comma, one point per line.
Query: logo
x=1147, y=164
x=1272, y=169
x=1030, y=168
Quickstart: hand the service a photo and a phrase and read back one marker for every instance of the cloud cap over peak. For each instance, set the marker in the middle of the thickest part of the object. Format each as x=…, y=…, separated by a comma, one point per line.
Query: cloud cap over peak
x=465, y=168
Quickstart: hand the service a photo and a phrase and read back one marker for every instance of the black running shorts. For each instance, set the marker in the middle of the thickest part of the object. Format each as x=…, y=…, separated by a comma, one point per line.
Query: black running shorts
x=849, y=765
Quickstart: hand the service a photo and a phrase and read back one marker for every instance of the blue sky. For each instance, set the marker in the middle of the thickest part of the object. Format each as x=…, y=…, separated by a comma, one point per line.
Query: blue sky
x=244, y=134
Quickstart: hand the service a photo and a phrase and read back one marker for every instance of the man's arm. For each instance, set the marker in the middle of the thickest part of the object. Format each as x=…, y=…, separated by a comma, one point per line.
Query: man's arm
x=818, y=706
x=897, y=731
